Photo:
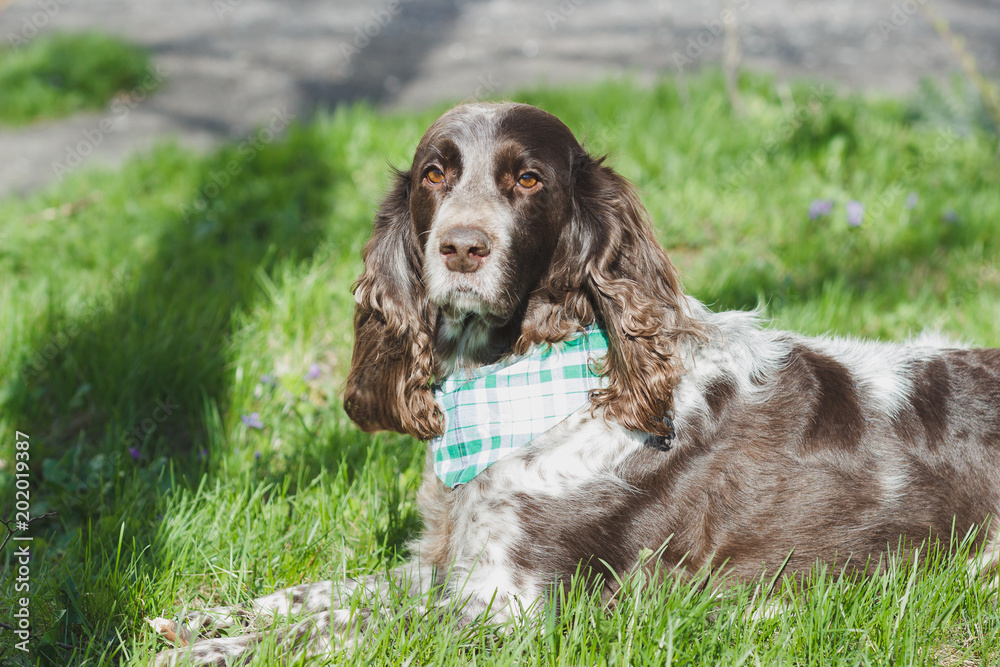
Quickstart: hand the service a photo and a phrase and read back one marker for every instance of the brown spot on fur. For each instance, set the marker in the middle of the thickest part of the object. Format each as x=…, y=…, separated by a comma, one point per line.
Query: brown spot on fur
x=719, y=394
x=930, y=399
x=598, y=532
x=836, y=419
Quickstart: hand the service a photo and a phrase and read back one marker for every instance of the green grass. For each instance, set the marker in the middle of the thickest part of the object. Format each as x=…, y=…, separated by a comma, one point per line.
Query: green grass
x=144, y=311
x=59, y=74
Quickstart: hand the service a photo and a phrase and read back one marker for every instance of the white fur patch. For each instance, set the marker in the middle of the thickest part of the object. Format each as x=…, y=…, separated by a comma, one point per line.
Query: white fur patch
x=880, y=370
x=473, y=201
x=739, y=352
x=743, y=351
x=894, y=481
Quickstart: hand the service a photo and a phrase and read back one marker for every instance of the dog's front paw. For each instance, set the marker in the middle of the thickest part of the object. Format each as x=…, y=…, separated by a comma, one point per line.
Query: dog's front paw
x=207, y=622
x=187, y=637
x=174, y=632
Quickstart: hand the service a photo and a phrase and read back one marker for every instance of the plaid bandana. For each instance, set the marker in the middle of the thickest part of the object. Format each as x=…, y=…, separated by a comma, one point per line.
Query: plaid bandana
x=493, y=410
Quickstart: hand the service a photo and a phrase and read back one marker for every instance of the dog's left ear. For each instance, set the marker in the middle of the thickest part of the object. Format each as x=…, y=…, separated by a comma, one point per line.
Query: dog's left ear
x=636, y=292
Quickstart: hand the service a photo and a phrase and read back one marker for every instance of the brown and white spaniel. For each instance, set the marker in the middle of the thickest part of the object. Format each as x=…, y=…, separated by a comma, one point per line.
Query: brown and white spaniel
x=718, y=445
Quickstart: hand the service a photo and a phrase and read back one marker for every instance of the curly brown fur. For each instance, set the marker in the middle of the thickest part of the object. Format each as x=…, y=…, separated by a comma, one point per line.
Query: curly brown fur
x=388, y=386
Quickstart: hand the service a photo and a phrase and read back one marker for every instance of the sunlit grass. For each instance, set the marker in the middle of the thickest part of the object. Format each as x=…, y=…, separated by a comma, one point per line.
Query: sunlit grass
x=58, y=74
x=143, y=325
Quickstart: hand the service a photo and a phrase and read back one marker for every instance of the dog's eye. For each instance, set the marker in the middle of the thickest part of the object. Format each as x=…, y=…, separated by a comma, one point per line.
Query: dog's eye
x=435, y=176
x=527, y=180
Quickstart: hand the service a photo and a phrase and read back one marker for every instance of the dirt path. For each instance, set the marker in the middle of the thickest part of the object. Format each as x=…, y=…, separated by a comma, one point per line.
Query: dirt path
x=232, y=64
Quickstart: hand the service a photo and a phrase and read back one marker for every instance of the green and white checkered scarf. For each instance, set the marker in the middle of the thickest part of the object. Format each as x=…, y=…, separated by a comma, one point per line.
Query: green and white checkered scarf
x=493, y=410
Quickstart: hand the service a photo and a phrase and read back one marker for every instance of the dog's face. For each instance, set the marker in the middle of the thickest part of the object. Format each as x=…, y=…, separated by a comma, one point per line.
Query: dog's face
x=489, y=201
x=505, y=234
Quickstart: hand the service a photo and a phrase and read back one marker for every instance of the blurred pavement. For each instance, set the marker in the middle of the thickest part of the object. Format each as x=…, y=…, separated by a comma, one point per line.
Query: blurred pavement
x=230, y=65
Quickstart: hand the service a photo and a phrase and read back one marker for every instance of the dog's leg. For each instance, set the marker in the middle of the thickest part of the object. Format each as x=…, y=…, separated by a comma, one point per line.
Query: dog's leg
x=324, y=609
x=312, y=636
x=293, y=601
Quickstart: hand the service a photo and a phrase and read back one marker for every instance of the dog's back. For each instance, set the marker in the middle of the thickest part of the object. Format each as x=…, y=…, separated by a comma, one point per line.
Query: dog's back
x=838, y=450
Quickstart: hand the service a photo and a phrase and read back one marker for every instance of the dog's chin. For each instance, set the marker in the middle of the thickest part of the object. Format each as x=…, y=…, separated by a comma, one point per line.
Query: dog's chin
x=461, y=303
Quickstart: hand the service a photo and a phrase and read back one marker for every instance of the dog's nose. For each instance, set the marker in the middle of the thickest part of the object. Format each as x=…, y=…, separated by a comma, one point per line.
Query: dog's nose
x=464, y=248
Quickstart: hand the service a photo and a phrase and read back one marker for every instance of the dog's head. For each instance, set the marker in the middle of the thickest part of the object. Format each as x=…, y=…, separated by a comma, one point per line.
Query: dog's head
x=503, y=234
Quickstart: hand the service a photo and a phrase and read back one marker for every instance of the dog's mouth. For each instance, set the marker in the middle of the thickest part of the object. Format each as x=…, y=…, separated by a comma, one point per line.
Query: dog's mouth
x=463, y=301
x=480, y=293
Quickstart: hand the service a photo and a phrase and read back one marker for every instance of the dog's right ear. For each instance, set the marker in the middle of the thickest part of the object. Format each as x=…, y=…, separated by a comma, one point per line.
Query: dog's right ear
x=388, y=386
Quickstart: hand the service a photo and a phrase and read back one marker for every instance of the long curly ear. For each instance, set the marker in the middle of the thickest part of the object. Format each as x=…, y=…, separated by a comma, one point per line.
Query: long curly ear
x=638, y=295
x=388, y=386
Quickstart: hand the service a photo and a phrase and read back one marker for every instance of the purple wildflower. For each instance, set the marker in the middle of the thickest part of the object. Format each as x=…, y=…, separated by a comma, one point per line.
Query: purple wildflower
x=252, y=420
x=911, y=200
x=950, y=216
x=268, y=379
x=134, y=453
x=313, y=372
x=855, y=213
x=256, y=456
x=819, y=207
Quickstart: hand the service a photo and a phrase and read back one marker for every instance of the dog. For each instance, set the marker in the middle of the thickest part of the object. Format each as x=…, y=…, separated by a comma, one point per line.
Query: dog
x=716, y=443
